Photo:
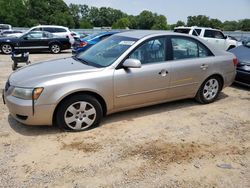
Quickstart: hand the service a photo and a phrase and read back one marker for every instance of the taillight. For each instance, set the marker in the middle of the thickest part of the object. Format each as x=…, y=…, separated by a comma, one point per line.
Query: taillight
x=82, y=44
x=235, y=61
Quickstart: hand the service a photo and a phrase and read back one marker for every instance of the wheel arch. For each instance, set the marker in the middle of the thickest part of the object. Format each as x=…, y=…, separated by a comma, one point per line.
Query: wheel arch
x=91, y=93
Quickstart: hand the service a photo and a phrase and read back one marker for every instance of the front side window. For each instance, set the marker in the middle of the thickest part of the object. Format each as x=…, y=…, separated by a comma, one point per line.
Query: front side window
x=185, y=48
x=107, y=51
x=151, y=51
x=214, y=34
x=35, y=35
x=218, y=35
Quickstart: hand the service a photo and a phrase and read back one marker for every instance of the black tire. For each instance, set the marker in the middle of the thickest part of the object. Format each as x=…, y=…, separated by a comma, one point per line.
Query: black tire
x=4, y=50
x=55, y=48
x=200, y=96
x=62, y=112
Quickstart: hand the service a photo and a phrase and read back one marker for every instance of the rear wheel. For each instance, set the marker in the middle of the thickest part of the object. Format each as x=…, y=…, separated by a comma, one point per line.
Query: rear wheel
x=209, y=90
x=6, y=48
x=55, y=48
x=79, y=113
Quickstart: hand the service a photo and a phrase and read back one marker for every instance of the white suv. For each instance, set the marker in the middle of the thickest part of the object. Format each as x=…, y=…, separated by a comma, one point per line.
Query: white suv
x=213, y=36
x=60, y=31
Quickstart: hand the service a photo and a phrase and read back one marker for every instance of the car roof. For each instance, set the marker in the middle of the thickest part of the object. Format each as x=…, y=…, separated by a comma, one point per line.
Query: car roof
x=195, y=27
x=139, y=34
x=52, y=26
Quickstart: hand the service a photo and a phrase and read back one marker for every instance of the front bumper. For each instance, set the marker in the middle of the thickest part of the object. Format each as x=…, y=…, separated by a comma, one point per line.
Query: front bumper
x=22, y=111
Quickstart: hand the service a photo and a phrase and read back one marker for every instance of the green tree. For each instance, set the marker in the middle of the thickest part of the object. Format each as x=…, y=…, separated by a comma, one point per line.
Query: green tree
x=244, y=25
x=160, y=23
x=200, y=20
x=50, y=12
x=13, y=12
x=180, y=23
x=230, y=25
x=122, y=23
x=85, y=24
x=74, y=10
x=215, y=23
x=145, y=20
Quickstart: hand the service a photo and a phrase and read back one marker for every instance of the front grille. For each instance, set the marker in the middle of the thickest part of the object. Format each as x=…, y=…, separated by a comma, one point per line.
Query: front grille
x=7, y=85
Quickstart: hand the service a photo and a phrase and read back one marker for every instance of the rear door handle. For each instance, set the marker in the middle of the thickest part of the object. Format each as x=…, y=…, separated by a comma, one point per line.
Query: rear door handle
x=204, y=66
x=163, y=72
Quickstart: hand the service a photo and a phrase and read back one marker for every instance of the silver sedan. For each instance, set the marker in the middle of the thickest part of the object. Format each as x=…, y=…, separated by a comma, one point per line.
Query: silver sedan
x=128, y=70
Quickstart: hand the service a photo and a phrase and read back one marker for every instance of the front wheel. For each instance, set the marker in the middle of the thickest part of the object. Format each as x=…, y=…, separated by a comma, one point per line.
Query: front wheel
x=209, y=90
x=79, y=113
x=6, y=48
x=55, y=48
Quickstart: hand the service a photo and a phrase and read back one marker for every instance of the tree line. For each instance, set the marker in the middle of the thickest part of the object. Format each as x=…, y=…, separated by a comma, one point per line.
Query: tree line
x=28, y=13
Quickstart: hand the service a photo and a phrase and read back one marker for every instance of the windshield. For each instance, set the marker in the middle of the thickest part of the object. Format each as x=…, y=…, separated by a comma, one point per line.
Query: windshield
x=107, y=51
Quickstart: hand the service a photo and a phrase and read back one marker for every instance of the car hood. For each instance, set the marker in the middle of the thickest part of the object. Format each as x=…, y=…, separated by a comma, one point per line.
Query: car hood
x=35, y=74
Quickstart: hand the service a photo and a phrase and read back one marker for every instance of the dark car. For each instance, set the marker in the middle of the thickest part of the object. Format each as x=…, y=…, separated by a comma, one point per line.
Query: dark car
x=34, y=41
x=83, y=44
x=243, y=68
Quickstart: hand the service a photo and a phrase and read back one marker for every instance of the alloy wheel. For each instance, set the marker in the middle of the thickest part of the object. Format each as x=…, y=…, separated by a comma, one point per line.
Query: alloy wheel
x=55, y=48
x=6, y=48
x=80, y=115
x=211, y=89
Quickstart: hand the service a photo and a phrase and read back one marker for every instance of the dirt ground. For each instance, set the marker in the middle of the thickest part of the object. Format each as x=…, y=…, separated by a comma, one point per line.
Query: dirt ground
x=177, y=144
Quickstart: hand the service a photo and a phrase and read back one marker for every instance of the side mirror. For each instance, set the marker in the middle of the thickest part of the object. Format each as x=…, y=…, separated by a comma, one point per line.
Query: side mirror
x=132, y=63
x=25, y=38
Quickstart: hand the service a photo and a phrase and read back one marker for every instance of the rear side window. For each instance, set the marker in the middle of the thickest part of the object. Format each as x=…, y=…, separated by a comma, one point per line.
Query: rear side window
x=213, y=34
x=184, y=48
x=59, y=30
x=196, y=32
x=186, y=31
x=49, y=29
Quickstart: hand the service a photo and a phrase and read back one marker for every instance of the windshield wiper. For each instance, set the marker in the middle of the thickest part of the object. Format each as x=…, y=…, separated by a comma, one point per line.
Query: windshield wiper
x=80, y=60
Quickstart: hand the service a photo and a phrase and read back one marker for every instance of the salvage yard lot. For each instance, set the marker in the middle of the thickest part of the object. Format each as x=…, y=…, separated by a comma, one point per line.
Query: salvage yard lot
x=177, y=144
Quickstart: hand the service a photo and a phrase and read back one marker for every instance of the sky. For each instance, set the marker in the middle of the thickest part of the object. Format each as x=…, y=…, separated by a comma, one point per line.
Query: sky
x=176, y=10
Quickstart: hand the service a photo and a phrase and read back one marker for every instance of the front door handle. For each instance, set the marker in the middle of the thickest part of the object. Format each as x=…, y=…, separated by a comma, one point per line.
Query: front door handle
x=163, y=72
x=204, y=66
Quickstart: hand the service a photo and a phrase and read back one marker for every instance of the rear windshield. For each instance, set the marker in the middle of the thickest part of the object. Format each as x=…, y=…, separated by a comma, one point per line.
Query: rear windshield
x=186, y=31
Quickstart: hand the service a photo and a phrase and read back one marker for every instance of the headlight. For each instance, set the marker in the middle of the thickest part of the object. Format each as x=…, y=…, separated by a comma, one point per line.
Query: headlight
x=27, y=93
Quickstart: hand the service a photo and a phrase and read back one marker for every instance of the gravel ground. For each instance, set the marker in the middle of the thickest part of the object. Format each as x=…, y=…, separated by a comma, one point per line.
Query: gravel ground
x=177, y=144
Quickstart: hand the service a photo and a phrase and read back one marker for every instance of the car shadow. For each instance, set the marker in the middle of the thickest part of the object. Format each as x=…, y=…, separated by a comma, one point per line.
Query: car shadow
x=129, y=115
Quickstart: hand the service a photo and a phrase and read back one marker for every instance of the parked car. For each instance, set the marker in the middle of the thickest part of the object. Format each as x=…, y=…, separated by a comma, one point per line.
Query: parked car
x=11, y=33
x=5, y=27
x=59, y=31
x=83, y=44
x=213, y=36
x=243, y=67
x=34, y=41
x=128, y=70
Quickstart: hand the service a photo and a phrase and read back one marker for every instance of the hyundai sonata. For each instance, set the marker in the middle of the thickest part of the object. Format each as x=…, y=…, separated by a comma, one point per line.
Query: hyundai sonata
x=125, y=71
